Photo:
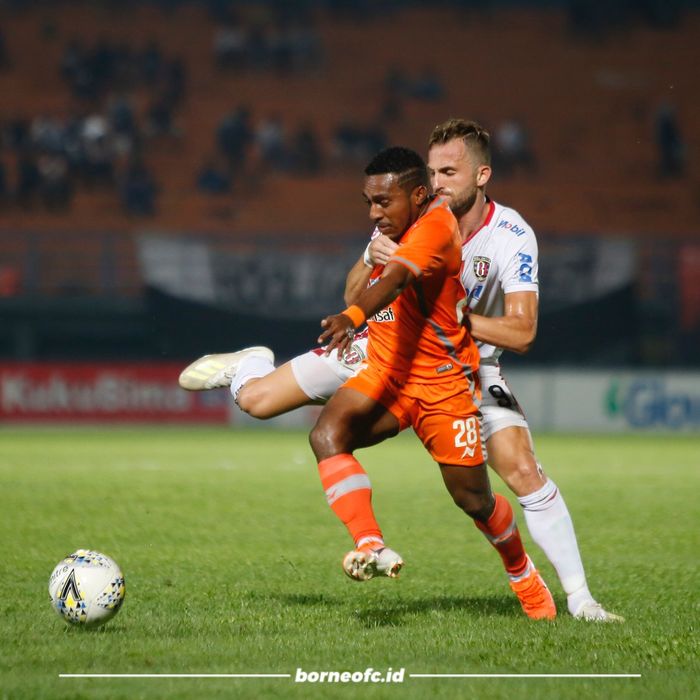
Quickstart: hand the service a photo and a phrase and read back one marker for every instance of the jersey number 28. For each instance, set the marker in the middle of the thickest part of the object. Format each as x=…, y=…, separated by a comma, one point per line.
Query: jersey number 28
x=467, y=435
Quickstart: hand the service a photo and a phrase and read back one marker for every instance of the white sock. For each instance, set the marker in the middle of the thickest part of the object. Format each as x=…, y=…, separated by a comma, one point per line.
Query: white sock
x=551, y=527
x=251, y=367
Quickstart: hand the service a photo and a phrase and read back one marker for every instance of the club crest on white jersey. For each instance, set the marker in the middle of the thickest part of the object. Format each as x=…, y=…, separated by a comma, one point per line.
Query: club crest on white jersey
x=481, y=267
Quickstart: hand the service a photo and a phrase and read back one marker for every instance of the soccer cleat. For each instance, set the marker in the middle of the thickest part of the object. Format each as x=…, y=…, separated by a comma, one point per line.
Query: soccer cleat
x=595, y=612
x=217, y=371
x=533, y=594
x=373, y=559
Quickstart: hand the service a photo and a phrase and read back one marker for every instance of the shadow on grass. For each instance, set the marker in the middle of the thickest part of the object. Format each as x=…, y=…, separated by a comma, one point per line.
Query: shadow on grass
x=104, y=628
x=390, y=614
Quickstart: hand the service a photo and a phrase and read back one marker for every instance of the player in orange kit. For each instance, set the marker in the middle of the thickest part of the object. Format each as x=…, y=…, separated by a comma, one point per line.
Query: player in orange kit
x=421, y=372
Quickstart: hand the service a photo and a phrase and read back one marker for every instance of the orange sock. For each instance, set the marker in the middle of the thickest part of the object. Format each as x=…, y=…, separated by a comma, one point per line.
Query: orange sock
x=349, y=494
x=502, y=532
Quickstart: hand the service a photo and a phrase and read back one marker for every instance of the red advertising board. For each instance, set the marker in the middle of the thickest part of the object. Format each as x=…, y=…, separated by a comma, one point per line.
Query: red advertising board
x=104, y=392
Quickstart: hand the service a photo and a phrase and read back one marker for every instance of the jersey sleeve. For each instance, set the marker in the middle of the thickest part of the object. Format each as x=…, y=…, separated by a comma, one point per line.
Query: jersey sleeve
x=426, y=249
x=519, y=271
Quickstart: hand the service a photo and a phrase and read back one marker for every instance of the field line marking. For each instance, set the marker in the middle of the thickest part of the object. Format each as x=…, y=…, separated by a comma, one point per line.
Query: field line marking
x=524, y=675
x=174, y=675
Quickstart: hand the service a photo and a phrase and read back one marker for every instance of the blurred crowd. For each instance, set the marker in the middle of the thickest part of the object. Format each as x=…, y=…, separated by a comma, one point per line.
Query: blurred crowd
x=280, y=38
x=102, y=142
x=128, y=98
x=105, y=140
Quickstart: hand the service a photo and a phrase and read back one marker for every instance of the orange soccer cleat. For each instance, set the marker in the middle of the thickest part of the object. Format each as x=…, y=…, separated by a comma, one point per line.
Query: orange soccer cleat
x=533, y=594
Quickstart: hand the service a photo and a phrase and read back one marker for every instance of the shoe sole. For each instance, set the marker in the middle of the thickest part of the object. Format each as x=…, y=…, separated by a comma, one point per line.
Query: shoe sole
x=608, y=617
x=196, y=375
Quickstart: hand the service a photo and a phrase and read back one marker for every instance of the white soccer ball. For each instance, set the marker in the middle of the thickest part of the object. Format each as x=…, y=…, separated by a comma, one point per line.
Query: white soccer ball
x=87, y=588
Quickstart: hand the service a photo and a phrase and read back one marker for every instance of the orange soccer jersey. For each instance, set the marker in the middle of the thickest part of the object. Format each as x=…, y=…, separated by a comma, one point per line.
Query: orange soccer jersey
x=419, y=337
x=421, y=361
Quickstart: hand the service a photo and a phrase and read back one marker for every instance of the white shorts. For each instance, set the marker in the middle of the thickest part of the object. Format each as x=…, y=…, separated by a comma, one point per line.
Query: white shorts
x=319, y=375
x=499, y=407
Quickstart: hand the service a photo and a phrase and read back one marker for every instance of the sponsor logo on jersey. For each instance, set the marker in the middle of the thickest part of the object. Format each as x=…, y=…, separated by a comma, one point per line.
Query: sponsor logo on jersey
x=444, y=368
x=474, y=295
x=525, y=267
x=517, y=230
x=383, y=316
x=482, y=266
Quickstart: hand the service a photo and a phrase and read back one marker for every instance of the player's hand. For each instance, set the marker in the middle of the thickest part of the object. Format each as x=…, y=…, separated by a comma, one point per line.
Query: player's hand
x=339, y=333
x=381, y=249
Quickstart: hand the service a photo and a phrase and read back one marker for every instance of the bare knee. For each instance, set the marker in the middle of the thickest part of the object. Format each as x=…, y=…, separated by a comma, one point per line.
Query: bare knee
x=470, y=489
x=477, y=505
x=255, y=399
x=327, y=439
x=512, y=457
x=523, y=474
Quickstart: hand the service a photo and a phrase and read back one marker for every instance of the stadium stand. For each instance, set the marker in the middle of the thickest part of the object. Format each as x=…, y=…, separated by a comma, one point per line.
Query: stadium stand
x=240, y=123
x=589, y=109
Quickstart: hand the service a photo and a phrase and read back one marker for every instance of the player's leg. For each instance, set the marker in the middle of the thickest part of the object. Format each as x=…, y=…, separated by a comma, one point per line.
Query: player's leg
x=263, y=391
x=547, y=517
x=272, y=394
x=493, y=515
x=453, y=439
x=350, y=420
x=511, y=456
x=312, y=377
x=257, y=387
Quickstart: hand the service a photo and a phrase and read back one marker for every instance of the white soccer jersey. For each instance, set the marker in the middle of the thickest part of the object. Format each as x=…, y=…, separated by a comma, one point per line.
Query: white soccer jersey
x=498, y=258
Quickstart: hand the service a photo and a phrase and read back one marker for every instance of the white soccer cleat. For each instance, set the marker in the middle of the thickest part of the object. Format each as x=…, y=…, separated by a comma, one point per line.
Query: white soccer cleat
x=595, y=612
x=367, y=562
x=217, y=371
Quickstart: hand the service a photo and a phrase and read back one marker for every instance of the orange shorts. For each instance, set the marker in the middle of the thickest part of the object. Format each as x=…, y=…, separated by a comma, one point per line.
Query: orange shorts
x=444, y=415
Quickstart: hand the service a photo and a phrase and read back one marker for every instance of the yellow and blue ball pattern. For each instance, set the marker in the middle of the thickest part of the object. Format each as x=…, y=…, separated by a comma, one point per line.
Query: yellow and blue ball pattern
x=113, y=595
x=87, y=588
x=72, y=608
x=89, y=558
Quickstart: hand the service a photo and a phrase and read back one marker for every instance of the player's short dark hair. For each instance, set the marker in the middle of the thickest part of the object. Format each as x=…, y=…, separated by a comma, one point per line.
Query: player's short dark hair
x=475, y=137
x=404, y=162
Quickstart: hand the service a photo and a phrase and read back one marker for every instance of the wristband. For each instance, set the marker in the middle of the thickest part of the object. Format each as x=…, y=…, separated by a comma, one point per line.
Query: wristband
x=367, y=257
x=355, y=314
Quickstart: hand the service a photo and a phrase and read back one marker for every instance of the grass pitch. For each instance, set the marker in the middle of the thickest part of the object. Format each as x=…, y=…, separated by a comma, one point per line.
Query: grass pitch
x=232, y=563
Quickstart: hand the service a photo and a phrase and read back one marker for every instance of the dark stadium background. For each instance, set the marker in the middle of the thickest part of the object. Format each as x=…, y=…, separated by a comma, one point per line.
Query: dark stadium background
x=181, y=177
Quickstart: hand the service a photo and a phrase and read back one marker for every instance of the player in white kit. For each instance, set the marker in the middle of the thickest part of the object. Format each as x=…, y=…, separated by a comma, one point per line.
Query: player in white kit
x=500, y=265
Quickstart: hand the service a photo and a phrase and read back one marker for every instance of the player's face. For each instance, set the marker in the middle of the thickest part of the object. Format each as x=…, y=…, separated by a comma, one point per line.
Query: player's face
x=392, y=209
x=455, y=175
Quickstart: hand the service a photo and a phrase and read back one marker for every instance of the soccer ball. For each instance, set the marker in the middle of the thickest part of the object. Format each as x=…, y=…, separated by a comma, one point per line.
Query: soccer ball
x=87, y=588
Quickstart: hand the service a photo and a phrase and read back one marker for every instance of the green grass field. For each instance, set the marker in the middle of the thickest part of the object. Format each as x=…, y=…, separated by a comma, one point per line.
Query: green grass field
x=232, y=562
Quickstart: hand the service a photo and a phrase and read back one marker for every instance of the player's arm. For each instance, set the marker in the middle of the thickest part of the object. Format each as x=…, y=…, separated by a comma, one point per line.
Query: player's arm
x=357, y=280
x=378, y=252
x=395, y=278
x=515, y=330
